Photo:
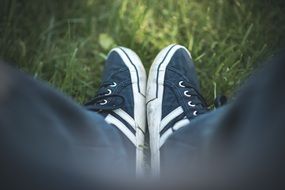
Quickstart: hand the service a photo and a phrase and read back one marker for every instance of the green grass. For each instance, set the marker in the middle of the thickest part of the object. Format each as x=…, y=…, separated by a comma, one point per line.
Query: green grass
x=66, y=42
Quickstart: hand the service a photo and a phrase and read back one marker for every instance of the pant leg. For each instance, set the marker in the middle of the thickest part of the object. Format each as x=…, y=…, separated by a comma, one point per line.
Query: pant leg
x=240, y=144
x=48, y=139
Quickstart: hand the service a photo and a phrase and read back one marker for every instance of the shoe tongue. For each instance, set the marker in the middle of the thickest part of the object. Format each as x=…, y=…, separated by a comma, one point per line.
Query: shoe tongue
x=184, y=65
x=181, y=123
x=113, y=64
x=169, y=103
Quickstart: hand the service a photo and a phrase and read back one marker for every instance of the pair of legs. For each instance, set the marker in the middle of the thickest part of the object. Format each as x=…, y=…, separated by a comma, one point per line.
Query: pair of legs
x=47, y=139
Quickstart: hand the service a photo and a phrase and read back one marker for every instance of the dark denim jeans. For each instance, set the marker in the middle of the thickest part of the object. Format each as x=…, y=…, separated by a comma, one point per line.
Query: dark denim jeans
x=47, y=140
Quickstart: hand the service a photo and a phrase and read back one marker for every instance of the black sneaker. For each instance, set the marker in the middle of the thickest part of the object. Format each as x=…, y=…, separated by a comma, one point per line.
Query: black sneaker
x=172, y=96
x=121, y=97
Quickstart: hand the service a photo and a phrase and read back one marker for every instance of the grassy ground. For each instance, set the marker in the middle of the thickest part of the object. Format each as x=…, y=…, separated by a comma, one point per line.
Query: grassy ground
x=65, y=42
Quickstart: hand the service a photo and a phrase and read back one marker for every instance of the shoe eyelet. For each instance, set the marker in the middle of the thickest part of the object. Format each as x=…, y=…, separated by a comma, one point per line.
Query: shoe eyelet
x=185, y=93
x=190, y=104
x=195, y=113
x=109, y=92
x=114, y=84
x=103, y=103
x=181, y=85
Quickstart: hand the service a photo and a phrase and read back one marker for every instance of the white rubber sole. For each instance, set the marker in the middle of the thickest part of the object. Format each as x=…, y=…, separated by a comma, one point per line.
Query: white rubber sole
x=154, y=97
x=138, y=78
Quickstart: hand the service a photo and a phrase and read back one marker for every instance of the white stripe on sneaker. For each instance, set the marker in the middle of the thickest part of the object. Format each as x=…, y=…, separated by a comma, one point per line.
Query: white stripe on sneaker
x=125, y=116
x=113, y=120
x=180, y=124
x=165, y=136
x=177, y=125
x=172, y=115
